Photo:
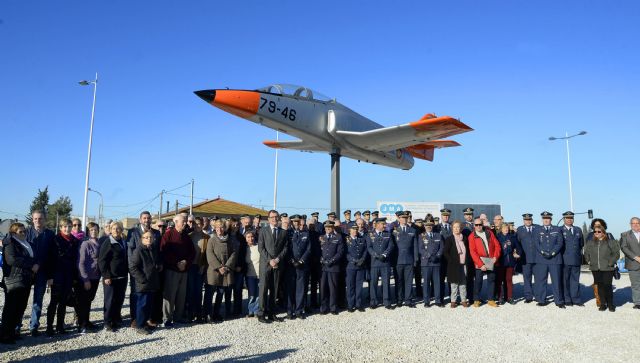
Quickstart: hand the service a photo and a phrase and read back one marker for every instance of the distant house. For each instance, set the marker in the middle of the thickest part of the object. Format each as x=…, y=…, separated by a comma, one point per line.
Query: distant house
x=6, y=223
x=218, y=207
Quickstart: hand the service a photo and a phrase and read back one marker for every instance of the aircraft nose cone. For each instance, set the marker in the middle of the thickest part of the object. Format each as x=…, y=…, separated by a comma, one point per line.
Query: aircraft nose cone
x=207, y=95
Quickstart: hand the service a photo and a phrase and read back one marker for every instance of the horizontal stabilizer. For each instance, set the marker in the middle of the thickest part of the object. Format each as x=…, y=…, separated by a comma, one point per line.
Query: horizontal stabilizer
x=425, y=150
x=428, y=129
x=294, y=145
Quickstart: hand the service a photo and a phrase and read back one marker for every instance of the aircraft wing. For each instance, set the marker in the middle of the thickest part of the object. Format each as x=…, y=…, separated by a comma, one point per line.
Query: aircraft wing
x=299, y=145
x=428, y=128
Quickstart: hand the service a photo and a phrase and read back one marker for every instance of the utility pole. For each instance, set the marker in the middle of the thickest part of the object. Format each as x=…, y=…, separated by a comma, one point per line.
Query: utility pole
x=160, y=210
x=191, y=206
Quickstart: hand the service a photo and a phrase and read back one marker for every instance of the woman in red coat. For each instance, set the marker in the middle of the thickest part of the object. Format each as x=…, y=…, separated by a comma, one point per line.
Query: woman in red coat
x=485, y=251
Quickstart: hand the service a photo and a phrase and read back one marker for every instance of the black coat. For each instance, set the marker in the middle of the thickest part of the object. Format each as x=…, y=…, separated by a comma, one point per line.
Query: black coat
x=112, y=259
x=62, y=262
x=17, y=264
x=241, y=251
x=145, y=265
x=454, y=274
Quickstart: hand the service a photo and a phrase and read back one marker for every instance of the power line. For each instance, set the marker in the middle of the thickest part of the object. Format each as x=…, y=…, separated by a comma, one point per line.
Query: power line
x=132, y=204
x=12, y=213
x=186, y=196
x=145, y=201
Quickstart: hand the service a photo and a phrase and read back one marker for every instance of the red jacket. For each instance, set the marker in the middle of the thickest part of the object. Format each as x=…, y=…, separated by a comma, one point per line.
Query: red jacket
x=175, y=247
x=476, y=247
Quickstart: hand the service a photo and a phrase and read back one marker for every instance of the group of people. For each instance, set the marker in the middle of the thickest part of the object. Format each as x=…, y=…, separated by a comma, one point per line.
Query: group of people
x=181, y=273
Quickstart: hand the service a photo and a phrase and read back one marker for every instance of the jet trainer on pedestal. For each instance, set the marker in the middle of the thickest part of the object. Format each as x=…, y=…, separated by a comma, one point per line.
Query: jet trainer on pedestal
x=324, y=125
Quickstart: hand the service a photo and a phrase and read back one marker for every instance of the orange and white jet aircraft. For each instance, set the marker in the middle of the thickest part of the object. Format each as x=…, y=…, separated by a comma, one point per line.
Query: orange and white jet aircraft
x=323, y=125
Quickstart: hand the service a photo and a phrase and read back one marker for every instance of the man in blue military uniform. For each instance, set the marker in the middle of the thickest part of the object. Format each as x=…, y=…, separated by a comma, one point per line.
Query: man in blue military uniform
x=366, y=216
x=526, y=234
x=357, y=256
x=331, y=246
x=380, y=245
x=406, y=239
x=548, y=243
x=418, y=225
x=298, y=269
x=315, y=268
x=347, y=223
x=572, y=258
x=444, y=229
x=431, y=248
x=318, y=226
x=467, y=227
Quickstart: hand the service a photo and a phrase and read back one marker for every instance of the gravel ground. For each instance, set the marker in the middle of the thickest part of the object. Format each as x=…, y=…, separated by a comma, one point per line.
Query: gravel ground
x=518, y=333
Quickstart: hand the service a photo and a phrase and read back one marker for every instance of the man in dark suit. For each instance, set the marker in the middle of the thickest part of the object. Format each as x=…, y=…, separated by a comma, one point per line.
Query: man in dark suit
x=272, y=244
x=630, y=245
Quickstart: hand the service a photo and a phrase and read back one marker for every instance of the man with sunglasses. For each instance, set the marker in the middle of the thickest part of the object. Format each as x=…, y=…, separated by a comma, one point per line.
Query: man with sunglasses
x=572, y=259
x=485, y=251
x=549, y=243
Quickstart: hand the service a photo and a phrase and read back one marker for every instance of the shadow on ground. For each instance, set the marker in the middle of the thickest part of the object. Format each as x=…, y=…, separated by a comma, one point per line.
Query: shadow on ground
x=82, y=353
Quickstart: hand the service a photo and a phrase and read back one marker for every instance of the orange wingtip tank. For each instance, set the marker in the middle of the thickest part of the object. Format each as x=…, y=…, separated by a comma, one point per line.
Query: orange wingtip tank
x=272, y=144
x=426, y=123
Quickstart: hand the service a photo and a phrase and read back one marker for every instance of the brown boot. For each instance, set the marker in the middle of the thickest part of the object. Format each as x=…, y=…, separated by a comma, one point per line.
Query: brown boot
x=465, y=304
x=595, y=293
x=133, y=323
x=453, y=304
x=492, y=303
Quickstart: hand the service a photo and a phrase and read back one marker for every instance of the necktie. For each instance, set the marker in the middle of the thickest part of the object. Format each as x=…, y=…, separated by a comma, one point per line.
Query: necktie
x=404, y=229
x=546, y=229
x=430, y=235
x=446, y=227
x=528, y=229
x=273, y=232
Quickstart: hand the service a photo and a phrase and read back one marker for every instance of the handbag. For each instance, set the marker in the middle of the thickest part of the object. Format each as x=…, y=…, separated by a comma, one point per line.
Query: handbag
x=18, y=279
x=616, y=272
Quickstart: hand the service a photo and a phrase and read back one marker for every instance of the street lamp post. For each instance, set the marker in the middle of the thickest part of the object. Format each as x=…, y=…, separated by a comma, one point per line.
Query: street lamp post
x=566, y=138
x=275, y=176
x=86, y=179
x=101, y=205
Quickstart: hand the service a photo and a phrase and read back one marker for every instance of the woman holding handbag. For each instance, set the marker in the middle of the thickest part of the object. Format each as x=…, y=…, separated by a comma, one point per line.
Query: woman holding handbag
x=602, y=253
x=19, y=269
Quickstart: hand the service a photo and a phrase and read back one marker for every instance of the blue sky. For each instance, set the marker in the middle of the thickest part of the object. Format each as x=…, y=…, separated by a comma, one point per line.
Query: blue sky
x=515, y=71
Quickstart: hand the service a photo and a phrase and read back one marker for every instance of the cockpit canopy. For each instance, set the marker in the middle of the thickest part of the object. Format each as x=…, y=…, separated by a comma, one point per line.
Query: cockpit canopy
x=295, y=91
